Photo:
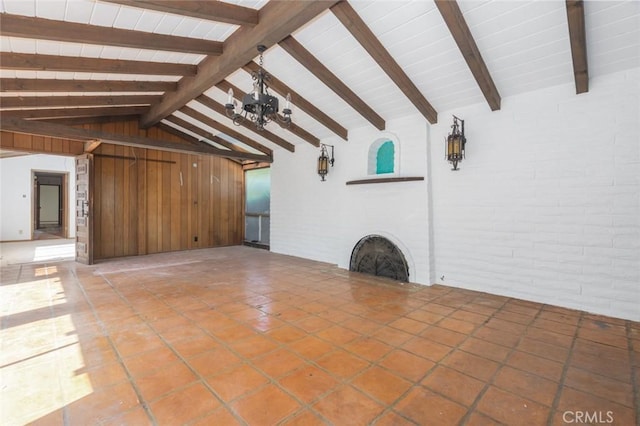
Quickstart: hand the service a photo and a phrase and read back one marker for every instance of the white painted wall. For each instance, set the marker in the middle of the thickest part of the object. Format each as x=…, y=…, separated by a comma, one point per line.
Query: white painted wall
x=324, y=220
x=16, y=193
x=546, y=206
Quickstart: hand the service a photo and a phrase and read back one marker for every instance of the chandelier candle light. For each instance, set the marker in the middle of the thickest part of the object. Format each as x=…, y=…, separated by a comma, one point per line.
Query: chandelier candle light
x=259, y=106
x=456, y=142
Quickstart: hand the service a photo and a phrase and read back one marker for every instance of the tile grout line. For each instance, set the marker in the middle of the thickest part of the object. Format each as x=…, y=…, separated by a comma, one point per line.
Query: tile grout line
x=281, y=345
x=271, y=380
x=391, y=407
x=244, y=359
x=175, y=352
x=341, y=382
x=530, y=325
x=105, y=332
x=147, y=315
x=376, y=363
x=336, y=347
x=489, y=382
x=565, y=369
x=348, y=381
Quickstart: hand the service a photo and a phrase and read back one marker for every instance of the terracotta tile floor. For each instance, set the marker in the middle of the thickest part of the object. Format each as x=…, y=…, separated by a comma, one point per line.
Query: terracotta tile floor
x=242, y=336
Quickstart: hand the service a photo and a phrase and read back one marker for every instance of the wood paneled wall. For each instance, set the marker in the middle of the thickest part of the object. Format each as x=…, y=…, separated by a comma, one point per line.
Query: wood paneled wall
x=40, y=144
x=154, y=201
x=158, y=201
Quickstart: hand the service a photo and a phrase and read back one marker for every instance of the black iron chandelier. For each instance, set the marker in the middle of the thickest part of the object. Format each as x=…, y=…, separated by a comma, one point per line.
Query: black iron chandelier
x=259, y=106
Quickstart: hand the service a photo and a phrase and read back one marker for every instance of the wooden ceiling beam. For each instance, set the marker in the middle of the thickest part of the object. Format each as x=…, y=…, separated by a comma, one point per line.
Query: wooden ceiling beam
x=300, y=102
x=10, y=154
x=68, y=101
x=203, y=133
x=186, y=137
x=39, y=128
x=208, y=121
x=363, y=34
x=272, y=137
x=317, y=68
x=74, y=112
x=176, y=132
x=27, y=61
x=277, y=19
x=80, y=121
x=211, y=10
x=90, y=146
x=224, y=85
x=52, y=85
x=48, y=29
x=578, y=40
x=459, y=29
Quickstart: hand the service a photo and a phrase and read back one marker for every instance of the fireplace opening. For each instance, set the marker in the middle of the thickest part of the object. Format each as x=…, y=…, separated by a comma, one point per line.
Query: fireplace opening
x=376, y=255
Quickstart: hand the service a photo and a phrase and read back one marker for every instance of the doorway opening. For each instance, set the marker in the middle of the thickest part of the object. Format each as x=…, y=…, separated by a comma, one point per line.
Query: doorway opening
x=49, y=205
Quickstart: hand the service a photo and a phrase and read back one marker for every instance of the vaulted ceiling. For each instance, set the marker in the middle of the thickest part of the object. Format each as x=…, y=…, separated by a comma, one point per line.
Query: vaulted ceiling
x=169, y=63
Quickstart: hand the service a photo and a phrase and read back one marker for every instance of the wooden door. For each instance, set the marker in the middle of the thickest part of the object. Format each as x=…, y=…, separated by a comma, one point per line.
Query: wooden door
x=84, y=209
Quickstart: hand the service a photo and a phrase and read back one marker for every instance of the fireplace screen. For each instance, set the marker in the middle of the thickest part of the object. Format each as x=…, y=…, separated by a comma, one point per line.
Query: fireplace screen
x=377, y=255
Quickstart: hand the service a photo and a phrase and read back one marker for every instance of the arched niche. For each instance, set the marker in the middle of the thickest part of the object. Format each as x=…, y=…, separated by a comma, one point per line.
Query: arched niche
x=383, y=158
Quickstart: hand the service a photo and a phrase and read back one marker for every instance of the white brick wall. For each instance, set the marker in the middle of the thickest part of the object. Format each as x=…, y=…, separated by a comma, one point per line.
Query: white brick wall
x=325, y=220
x=546, y=206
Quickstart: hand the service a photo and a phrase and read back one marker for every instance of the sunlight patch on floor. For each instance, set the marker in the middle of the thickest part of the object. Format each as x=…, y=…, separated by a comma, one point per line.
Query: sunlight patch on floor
x=55, y=252
x=41, y=359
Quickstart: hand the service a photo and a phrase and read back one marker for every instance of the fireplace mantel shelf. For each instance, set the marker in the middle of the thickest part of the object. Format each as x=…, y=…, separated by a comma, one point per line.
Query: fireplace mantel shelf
x=385, y=180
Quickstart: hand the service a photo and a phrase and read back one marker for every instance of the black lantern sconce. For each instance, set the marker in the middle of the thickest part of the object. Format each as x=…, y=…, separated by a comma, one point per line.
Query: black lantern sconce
x=456, y=142
x=324, y=161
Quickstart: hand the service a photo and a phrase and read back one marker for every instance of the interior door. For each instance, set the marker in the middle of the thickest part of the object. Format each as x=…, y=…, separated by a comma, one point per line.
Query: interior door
x=84, y=209
x=49, y=205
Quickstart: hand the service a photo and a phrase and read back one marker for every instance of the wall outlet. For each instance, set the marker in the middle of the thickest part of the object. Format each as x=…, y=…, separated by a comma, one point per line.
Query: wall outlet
x=195, y=239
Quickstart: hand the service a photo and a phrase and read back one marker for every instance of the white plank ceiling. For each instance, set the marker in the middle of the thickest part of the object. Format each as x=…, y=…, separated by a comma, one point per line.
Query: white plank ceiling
x=525, y=46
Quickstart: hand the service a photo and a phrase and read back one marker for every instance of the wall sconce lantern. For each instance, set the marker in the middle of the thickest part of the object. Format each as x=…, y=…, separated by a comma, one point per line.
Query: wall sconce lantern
x=324, y=161
x=455, y=143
